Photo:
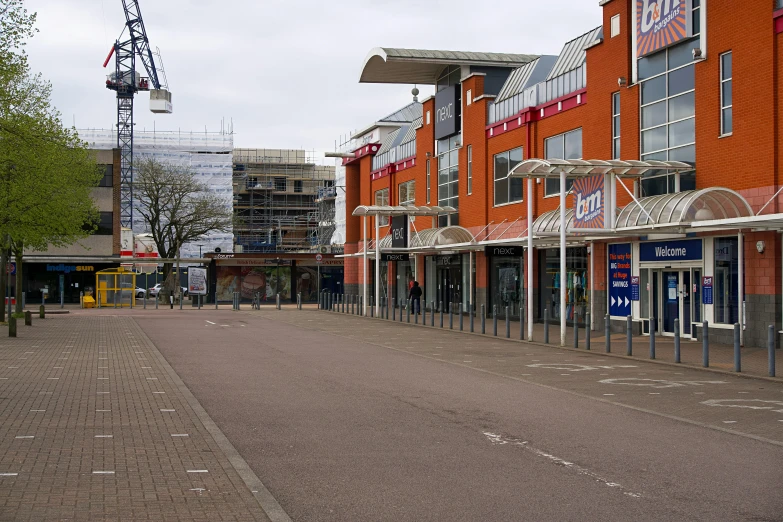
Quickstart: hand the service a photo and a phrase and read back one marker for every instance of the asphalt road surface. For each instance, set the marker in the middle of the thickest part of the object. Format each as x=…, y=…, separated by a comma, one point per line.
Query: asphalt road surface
x=340, y=425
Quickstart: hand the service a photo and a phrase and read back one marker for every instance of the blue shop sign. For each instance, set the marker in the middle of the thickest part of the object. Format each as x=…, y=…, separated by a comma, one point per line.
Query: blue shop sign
x=687, y=250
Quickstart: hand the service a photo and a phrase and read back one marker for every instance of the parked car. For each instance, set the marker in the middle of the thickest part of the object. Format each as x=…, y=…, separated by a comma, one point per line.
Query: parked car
x=138, y=291
x=155, y=290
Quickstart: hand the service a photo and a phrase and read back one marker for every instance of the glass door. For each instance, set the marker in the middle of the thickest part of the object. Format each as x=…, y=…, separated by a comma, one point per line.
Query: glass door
x=685, y=325
x=671, y=300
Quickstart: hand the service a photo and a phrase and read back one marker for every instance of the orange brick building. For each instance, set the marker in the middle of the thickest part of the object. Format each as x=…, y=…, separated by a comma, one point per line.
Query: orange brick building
x=693, y=239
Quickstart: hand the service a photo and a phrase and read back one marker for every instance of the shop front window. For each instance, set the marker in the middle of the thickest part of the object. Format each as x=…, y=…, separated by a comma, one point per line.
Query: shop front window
x=576, y=284
x=506, y=284
x=726, y=284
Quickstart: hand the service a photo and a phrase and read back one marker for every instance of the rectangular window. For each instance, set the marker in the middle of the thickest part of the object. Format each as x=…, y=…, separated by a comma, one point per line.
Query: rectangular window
x=615, y=26
x=407, y=193
x=105, y=224
x=428, y=182
x=382, y=200
x=280, y=184
x=616, y=125
x=726, y=114
x=507, y=189
x=562, y=146
x=470, y=169
x=108, y=176
x=448, y=176
x=298, y=185
x=726, y=283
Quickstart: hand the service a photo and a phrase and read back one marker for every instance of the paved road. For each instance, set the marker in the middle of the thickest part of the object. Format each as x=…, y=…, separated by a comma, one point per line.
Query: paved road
x=347, y=418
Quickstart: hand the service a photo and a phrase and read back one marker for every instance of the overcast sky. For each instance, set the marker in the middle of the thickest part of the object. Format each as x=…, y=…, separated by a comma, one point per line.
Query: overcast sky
x=286, y=71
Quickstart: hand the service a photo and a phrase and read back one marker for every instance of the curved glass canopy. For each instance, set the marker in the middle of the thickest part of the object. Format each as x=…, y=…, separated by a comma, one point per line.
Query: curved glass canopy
x=684, y=208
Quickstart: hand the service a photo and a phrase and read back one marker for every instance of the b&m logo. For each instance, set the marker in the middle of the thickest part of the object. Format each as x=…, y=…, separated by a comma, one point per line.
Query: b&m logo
x=661, y=23
x=589, y=211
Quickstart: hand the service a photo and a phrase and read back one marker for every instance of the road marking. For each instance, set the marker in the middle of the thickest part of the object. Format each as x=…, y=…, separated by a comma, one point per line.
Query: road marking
x=498, y=440
x=13, y=367
x=757, y=404
x=609, y=394
x=104, y=436
x=657, y=383
x=9, y=474
x=37, y=411
x=52, y=378
x=729, y=422
x=102, y=393
x=159, y=392
x=653, y=393
x=180, y=435
x=138, y=352
x=58, y=367
x=26, y=353
x=146, y=367
x=103, y=473
x=198, y=471
x=25, y=437
x=3, y=378
x=225, y=325
x=152, y=378
x=103, y=378
x=99, y=411
x=103, y=367
x=168, y=411
x=103, y=358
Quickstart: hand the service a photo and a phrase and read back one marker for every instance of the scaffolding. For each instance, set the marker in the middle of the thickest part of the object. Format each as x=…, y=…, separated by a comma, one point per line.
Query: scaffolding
x=283, y=201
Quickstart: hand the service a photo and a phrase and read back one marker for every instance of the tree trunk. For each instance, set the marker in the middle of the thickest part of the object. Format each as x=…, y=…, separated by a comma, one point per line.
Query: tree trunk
x=3, y=279
x=168, y=282
x=19, y=280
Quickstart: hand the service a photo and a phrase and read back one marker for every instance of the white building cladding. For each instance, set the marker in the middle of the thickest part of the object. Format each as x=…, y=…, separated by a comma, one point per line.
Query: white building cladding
x=208, y=156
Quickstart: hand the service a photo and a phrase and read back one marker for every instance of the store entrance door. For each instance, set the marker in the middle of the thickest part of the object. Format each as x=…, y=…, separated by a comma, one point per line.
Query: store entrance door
x=672, y=299
x=449, y=287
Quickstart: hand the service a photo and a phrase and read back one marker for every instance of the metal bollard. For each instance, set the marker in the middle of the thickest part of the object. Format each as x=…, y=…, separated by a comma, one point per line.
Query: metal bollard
x=424, y=314
x=737, y=353
x=546, y=325
x=705, y=345
x=24, y=299
x=495, y=320
x=587, y=331
x=451, y=316
x=394, y=309
x=521, y=322
x=441, y=314
x=42, y=312
x=144, y=298
x=460, y=317
x=576, y=330
x=508, y=325
x=470, y=313
x=677, y=352
x=401, y=308
x=483, y=320
x=652, y=336
x=629, y=334
x=372, y=306
x=432, y=315
x=408, y=311
x=181, y=298
x=608, y=333
x=416, y=314
x=277, y=301
x=771, y=350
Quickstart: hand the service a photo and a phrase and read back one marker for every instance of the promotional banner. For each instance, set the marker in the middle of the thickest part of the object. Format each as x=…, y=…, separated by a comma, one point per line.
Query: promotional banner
x=197, y=281
x=661, y=23
x=589, y=202
x=620, y=280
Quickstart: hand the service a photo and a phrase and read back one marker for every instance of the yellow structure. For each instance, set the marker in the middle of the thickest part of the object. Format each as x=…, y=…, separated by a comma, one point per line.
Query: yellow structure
x=115, y=287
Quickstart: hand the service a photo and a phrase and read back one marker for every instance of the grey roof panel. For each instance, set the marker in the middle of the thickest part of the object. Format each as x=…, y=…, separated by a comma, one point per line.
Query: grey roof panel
x=526, y=76
x=407, y=114
x=411, y=134
x=573, y=54
x=388, y=142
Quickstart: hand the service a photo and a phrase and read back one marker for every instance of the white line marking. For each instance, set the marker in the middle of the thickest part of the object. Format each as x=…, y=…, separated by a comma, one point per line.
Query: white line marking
x=25, y=437
x=103, y=358
x=180, y=435
x=500, y=440
x=103, y=473
x=3, y=378
x=167, y=410
x=58, y=367
x=13, y=367
x=609, y=394
x=103, y=367
x=103, y=378
x=152, y=378
x=138, y=352
x=102, y=410
x=52, y=378
x=9, y=474
x=760, y=404
x=729, y=422
x=224, y=325
x=37, y=411
x=651, y=393
x=146, y=367
x=104, y=436
x=210, y=322
x=28, y=352
x=159, y=392
x=102, y=393
x=198, y=471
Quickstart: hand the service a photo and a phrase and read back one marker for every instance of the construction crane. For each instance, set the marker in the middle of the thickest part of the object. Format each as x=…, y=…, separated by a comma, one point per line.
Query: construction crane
x=126, y=81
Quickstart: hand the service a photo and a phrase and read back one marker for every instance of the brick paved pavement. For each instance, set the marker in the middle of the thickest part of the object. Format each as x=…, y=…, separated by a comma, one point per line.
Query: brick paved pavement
x=94, y=425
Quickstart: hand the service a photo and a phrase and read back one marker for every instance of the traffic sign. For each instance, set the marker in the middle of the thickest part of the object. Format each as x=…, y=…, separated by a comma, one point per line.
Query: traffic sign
x=10, y=268
x=319, y=258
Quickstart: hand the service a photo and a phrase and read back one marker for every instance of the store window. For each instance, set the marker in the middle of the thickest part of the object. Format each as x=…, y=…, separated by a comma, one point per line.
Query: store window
x=506, y=283
x=726, y=283
x=382, y=200
x=577, y=292
x=407, y=193
x=507, y=190
x=470, y=168
x=448, y=176
x=726, y=113
x=562, y=146
x=616, y=125
x=668, y=115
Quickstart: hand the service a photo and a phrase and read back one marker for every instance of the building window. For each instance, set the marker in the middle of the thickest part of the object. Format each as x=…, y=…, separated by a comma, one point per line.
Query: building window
x=616, y=125
x=298, y=185
x=407, y=193
x=105, y=224
x=668, y=116
x=428, y=117
x=470, y=169
x=507, y=190
x=726, y=115
x=428, y=181
x=615, y=26
x=108, y=176
x=562, y=146
x=726, y=283
x=382, y=200
x=450, y=75
x=448, y=175
x=280, y=184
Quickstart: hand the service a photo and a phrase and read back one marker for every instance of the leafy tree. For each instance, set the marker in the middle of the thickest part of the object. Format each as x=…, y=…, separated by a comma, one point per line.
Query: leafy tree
x=177, y=209
x=46, y=172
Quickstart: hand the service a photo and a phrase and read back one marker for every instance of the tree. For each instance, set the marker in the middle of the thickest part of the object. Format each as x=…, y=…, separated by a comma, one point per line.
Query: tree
x=46, y=172
x=177, y=209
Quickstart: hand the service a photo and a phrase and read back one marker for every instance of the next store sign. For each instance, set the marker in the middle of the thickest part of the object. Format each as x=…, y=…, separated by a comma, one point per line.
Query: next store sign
x=662, y=251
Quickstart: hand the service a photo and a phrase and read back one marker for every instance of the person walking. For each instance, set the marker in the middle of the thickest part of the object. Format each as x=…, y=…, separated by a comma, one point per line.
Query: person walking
x=415, y=297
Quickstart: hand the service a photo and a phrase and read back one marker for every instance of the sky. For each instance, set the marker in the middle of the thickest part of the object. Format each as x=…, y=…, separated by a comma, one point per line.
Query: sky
x=285, y=72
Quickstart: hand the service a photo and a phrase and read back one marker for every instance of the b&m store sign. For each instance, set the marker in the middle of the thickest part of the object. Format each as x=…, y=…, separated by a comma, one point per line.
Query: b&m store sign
x=589, y=202
x=661, y=23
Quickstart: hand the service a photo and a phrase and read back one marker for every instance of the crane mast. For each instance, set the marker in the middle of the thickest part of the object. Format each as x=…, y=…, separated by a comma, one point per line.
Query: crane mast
x=127, y=82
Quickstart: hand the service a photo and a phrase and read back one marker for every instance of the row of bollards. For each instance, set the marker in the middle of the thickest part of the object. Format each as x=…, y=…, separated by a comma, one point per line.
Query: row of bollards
x=28, y=320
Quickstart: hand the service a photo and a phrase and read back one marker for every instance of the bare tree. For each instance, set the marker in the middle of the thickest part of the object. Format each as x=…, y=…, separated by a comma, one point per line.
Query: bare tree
x=177, y=210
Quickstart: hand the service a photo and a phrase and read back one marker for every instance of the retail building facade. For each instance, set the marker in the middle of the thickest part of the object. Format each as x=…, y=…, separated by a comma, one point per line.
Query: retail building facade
x=696, y=86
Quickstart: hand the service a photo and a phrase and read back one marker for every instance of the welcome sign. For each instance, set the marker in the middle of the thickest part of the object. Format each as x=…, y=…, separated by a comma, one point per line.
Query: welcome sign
x=589, y=202
x=661, y=23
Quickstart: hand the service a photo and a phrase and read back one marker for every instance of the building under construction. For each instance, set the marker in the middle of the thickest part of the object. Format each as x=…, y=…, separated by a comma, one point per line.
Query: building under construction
x=283, y=201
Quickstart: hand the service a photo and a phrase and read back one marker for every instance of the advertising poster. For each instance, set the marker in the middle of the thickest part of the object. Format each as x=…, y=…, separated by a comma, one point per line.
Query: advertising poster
x=620, y=280
x=589, y=202
x=661, y=24
x=197, y=281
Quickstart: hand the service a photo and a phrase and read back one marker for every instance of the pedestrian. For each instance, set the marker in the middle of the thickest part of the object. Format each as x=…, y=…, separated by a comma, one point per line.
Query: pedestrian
x=415, y=297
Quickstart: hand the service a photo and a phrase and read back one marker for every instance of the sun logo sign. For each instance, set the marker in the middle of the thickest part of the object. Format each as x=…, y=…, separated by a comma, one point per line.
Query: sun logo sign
x=661, y=23
x=589, y=201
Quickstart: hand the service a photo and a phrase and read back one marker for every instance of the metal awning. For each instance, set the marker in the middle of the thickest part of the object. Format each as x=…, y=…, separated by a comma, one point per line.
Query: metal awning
x=382, y=210
x=451, y=236
x=684, y=209
x=765, y=222
x=551, y=168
